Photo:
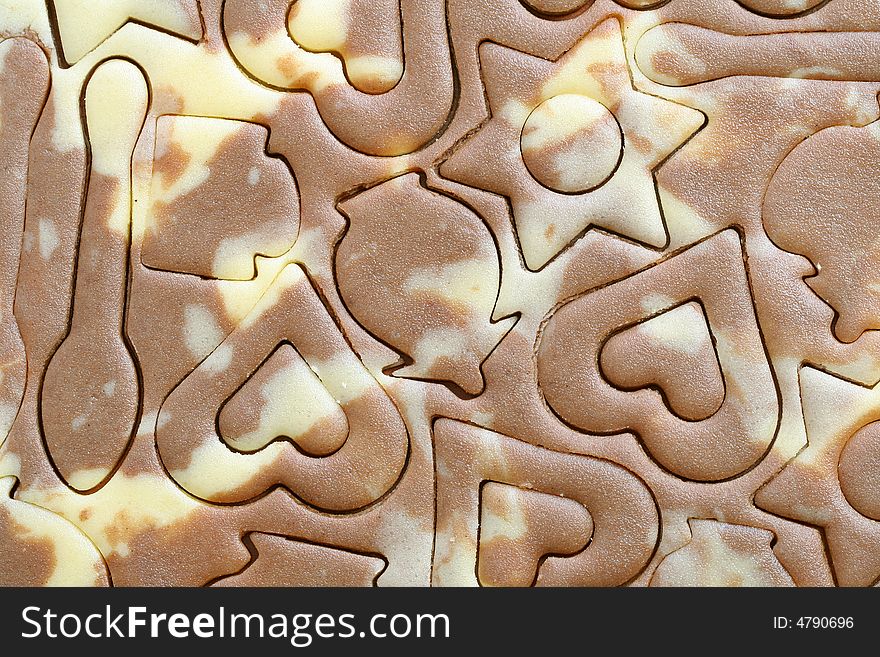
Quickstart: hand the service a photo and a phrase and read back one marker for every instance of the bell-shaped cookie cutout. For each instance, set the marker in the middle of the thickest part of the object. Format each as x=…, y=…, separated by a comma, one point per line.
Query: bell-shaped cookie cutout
x=420, y=271
x=40, y=548
x=518, y=527
x=284, y=398
x=672, y=352
x=722, y=554
x=282, y=561
x=217, y=200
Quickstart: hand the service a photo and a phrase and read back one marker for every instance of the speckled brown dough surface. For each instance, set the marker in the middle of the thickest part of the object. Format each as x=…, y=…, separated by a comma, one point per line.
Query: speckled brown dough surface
x=440, y=292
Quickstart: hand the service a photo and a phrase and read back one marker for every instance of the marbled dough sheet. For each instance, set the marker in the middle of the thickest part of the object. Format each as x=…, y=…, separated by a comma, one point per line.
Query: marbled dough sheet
x=440, y=292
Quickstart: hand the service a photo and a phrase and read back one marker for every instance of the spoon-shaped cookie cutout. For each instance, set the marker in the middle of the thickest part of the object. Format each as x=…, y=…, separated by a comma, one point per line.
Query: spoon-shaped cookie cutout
x=681, y=54
x=90, y=391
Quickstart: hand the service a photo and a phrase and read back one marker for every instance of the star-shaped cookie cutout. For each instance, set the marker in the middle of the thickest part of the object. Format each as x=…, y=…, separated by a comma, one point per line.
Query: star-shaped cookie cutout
x=833, y=482
x=86, y=24
x=572, y=144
